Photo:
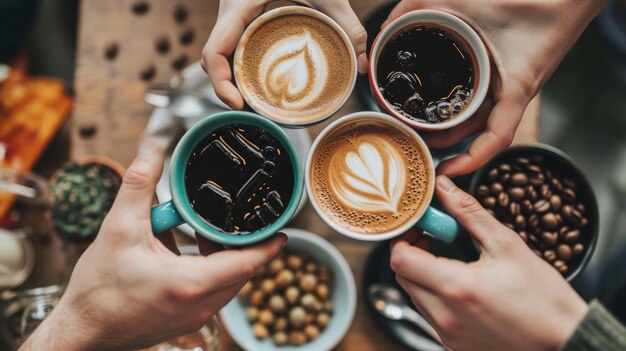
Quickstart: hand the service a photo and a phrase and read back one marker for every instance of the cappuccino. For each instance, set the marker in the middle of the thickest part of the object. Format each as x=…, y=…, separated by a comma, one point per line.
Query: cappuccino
x=295, y=66
x=369, y=176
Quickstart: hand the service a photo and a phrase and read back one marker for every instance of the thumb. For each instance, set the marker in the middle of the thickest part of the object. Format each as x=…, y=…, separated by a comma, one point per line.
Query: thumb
x=135, y=197
x=342, y=13
x=490, y=234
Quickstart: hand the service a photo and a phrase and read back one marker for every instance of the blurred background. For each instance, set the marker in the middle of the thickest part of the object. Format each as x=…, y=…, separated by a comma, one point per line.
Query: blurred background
x=61, y=50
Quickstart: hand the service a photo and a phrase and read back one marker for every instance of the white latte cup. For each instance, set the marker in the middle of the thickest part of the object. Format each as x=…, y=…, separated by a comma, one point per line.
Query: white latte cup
x=379, y=182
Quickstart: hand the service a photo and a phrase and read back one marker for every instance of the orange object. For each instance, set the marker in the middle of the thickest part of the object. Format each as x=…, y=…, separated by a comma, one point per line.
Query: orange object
x=31, y=112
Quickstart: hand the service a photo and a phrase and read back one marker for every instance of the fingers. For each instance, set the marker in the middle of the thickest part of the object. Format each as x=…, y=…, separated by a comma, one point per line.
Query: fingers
x=428, y=303
x=229, y=267
x=499, y=133
x=402, y=8
x=422, y=267
x=136, y=194
x=490, y=234
x=207, y=246
x=342, y=13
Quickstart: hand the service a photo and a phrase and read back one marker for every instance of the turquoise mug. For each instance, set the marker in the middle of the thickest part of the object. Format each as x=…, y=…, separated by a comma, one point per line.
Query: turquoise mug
x=428, y=218
x=179, y=210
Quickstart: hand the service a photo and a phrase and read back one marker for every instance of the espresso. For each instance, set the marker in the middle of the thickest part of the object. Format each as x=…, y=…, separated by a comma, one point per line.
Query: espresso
x=239, y=179
x=426, y=74
x=369, y=177
x=295, y=69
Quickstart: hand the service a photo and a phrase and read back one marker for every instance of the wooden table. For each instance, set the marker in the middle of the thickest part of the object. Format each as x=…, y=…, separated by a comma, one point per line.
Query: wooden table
x=110, y=99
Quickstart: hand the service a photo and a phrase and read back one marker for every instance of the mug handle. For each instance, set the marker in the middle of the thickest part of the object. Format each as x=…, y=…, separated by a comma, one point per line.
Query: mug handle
x=165, y=216
x=440, y=225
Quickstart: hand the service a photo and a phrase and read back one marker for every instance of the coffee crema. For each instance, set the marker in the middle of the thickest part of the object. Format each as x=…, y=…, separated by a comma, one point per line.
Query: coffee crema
x=296, y=69
x=369, y=177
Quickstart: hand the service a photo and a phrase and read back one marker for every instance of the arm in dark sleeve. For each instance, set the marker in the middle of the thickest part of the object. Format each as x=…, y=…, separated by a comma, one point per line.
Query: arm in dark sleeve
x=599, y=331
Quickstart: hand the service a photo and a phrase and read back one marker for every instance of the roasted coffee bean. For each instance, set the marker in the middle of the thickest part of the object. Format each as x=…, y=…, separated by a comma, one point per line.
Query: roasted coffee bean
x=533, y=238
x=514, y=209
x=584, y=222
x=162, y=45
x=549, y=221
x=503, y=199
x=523, y=161
x=519, y=179
x=559, y=220
x=560, y=266
x=549, y=238
x=482, y=191
x=504, y=178
x=549, y=255
x=489, y=202
x=566, y=211
x=532, y=195
x=527, y=206
x=493, y=174
x=541, y=206
x=520, y=222
x=536, y=179
x=533, y=169
x=576, y=217
x=564, y=252
x=522, y=234
x=578, y=249
x=572, y=236
x=556, y=184
x=505, y=167
x=580, y=207
x=148, y=73
x=533, y=221
x=564, y=230
x=516, y=194
x=569, y=183
x=568, y=195
x=496, y=188
x=555, y=203
x=545, y=191
x=111, y=51
x=140, y=8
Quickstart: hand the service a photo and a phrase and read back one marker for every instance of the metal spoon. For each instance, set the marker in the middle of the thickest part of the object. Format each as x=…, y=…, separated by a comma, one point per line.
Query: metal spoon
x=388, y=301
x=183, y=103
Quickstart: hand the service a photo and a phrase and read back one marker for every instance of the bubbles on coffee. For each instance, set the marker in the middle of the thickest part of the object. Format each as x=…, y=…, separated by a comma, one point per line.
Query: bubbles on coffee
x=426, y=74
x=239, y=179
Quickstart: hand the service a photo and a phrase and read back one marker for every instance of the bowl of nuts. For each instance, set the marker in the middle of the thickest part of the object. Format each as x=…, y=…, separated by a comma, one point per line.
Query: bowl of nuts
x=540, y=193
x=304, y=299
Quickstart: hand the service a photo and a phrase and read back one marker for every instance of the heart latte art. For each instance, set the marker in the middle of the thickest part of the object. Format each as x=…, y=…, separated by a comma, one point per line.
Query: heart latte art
x=369, y=177
x=295, y=69
x=294, y=72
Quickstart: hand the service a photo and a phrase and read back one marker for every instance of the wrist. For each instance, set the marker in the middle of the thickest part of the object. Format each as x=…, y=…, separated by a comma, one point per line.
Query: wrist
x=570, y=316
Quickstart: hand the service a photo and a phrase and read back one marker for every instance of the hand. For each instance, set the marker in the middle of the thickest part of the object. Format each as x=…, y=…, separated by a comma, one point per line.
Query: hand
x=235, y=15
x=509, y=299
x=527, y=40
x=129, y=291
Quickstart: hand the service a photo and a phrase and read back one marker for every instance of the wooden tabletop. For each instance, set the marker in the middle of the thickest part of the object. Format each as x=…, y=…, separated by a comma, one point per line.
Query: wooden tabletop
x=110, y=113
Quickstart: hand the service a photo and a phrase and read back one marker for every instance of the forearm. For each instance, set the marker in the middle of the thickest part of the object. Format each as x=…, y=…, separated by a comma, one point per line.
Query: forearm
x=599, y=331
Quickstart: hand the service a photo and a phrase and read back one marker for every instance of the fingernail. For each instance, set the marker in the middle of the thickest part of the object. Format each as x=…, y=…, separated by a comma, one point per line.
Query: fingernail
x=362, y=63
x=445, y=183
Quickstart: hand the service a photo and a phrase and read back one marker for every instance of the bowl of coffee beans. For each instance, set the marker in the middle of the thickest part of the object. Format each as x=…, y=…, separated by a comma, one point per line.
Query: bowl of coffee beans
x=303, y=299
x=541, y=194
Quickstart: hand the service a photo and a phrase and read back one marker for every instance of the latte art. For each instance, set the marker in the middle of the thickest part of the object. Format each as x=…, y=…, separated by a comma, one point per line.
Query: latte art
x=369, y=176
x=293, y=71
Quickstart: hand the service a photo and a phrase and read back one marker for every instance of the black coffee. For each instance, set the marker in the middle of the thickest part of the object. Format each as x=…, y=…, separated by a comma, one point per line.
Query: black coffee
x=239, y=179
x=426, y=74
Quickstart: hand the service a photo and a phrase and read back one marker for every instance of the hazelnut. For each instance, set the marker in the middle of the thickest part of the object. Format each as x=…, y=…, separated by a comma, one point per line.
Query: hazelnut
x=297, y=338
x=324, y=274
x=328, y=306
x=322, y=319
x=246, y=290
x=294, y=262
x=252, y=313
x=266, y=317
x=310, y=318
x=322, y=291
x=292, y=294
x=276, y=265
x=260, y=331
x=297, y=316
x=308, y=282
x=318, y=305
x=284, y=278
x=277, y=303
x=307, y=301
x=256, y=298
x=280, y=324
x=280, y=338
x=268, y=286
x=310, y=267
x=312, y=331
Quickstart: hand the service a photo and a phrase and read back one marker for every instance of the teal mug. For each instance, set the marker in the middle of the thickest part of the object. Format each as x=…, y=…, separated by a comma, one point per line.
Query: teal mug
x=179, y=210
x=365, y=183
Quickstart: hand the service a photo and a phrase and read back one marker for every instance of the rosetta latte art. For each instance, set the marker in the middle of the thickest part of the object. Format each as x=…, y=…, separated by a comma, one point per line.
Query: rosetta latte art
x=293, y=71
x=369, y=175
